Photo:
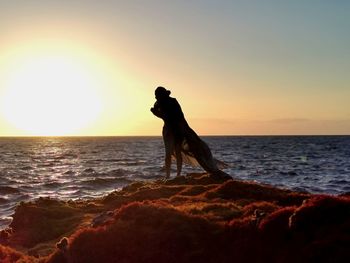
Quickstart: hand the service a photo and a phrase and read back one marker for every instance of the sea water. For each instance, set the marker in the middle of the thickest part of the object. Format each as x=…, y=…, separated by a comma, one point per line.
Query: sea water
x=88, y=167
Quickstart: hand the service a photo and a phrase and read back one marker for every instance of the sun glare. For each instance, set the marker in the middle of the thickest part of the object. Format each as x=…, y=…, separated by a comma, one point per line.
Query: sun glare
x=50, y=95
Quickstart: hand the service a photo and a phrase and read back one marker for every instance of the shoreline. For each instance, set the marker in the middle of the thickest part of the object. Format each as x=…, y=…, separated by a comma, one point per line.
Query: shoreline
x=193, y=218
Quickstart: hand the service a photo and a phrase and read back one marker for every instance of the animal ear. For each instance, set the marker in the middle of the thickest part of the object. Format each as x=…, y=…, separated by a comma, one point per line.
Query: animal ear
x=168, y=92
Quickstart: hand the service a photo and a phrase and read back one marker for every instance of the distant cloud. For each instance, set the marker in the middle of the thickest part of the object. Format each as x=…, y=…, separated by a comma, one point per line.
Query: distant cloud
x=285, y=126
x=290, y=120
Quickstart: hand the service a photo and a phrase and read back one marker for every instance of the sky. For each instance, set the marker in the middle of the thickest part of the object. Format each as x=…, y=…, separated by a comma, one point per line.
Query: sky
x=236, y=67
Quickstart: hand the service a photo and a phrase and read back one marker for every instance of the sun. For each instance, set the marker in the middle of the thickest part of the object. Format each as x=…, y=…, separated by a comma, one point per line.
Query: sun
x=50, y=95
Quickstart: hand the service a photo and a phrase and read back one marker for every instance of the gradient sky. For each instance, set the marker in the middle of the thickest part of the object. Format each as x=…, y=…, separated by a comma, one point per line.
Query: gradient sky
x=236, y=67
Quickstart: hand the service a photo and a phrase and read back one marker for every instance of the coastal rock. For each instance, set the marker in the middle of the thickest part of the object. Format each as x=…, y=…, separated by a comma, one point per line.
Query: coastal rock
x=188, y=219
x=9, y=255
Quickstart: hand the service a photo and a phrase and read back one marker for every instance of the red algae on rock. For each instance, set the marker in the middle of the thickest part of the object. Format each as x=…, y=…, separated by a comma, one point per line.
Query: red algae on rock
x=235, y=190
x=42, y=221
x=9, y=255
x=317, y=231
x=189, y=219
x=144, y=232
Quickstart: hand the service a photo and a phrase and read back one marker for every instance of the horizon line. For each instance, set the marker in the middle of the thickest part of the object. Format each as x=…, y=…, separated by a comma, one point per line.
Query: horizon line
x=201, y=135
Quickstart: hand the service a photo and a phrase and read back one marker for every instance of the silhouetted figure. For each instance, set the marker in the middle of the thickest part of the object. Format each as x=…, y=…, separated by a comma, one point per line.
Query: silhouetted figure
x=180, y=140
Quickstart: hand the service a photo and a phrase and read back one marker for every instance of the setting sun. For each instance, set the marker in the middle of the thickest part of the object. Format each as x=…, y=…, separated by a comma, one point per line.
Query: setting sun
x=50, y=95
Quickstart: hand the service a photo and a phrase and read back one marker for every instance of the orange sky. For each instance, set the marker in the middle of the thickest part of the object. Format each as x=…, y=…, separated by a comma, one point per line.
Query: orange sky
x=91, y=67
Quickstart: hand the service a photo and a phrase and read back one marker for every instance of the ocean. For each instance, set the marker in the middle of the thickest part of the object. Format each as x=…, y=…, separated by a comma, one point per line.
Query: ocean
x=88, y=167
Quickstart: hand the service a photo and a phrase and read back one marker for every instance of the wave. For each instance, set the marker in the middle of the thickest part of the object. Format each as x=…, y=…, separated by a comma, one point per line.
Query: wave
x=69, y=172
x=89, y=170
x=53, y=185
x=26, y=168
x=5, y=190
x=102, y=182
x=3, y=201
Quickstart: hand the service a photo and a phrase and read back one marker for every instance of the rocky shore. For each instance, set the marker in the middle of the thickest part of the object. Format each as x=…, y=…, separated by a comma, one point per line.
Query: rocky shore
x=194, y=218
